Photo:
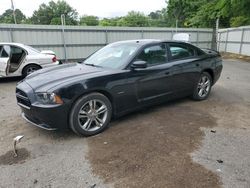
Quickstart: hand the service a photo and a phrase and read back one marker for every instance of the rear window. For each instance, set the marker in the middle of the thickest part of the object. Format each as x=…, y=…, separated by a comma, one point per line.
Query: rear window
x=180, y=51
x=32, y=49
x=200, y=52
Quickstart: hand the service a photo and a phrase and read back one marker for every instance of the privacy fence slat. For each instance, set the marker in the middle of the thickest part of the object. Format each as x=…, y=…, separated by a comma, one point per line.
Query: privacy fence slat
x=78, y=42
x=234, y=40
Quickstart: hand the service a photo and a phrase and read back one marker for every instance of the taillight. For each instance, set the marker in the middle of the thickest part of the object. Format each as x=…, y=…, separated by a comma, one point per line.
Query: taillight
x=54, y=59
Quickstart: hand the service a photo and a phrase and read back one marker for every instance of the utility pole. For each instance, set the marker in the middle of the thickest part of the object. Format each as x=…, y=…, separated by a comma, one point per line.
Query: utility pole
x=13, y=9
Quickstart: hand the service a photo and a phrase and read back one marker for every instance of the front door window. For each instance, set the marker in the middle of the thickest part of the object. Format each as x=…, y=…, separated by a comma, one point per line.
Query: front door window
x=154, y=55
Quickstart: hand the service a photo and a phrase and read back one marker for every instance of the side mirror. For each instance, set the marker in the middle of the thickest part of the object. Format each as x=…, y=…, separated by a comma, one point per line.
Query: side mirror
x=139, y=65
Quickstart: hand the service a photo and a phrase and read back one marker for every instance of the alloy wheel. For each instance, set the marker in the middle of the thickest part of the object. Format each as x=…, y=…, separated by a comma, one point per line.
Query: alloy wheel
x=92, y=115
x=31, y=70
x=204, y=86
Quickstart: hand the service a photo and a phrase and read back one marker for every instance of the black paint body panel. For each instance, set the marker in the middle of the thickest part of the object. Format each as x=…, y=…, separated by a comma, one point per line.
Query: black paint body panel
x=127, y=89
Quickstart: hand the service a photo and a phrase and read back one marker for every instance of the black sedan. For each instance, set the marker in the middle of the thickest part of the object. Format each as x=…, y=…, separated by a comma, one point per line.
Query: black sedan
x=115, y=80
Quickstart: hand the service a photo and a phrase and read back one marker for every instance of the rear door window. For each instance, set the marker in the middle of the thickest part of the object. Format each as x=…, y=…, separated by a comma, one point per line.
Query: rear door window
x=180, y=51
x=16, y=50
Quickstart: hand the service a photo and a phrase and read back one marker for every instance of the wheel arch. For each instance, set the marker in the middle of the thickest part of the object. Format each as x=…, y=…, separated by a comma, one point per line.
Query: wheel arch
x=103, y=92
x=210, y=72
x=29, y=65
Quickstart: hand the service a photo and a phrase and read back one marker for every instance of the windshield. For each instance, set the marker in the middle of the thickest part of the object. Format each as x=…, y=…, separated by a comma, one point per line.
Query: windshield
x=113, y=56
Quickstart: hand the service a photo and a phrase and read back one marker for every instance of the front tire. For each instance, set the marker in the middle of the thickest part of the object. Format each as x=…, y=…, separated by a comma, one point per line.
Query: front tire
x=90, y=114
x=203, y=87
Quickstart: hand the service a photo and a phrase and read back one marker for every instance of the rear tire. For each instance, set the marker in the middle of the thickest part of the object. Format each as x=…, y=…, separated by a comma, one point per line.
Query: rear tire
x=29, y=69
x=90, y=114
x=203, y=87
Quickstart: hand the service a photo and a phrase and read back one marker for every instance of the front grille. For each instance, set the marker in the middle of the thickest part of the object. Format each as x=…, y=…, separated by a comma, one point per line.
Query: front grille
x=22, y=98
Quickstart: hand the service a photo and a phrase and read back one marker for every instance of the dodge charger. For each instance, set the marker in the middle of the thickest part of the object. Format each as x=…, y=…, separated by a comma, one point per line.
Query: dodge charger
x=117, y=79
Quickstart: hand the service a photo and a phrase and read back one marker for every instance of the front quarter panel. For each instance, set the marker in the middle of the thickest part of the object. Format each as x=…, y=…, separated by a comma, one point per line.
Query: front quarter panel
x=112, y=86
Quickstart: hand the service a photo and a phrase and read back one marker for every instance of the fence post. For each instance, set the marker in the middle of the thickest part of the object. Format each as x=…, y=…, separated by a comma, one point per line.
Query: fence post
x=216, y=33
x=11, y=35
x=241, y=40
x=226, y=41
x=106, y=37
x=142, y=34
x=64, y=44
x=197, y=38
x=219, y=39
x=63, y=37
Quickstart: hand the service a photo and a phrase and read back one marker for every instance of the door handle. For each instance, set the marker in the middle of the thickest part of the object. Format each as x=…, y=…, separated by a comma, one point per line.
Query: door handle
x=197, y=64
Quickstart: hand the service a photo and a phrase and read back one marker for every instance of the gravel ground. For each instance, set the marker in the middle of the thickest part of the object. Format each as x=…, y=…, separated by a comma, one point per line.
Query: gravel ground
x=170, y=145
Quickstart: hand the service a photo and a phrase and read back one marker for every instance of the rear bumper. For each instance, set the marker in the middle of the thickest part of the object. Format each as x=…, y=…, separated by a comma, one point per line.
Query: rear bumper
x=217, y=73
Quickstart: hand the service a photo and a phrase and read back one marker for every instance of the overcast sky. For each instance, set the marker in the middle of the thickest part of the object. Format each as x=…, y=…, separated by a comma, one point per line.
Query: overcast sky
x=100, y=8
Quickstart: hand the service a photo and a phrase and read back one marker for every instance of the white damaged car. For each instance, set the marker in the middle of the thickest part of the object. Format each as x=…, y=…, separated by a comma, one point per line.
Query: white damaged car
x=20, y=60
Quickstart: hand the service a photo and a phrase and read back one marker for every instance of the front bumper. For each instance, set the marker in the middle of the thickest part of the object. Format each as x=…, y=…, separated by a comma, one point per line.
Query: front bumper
x=40, y=125
x=49, y=117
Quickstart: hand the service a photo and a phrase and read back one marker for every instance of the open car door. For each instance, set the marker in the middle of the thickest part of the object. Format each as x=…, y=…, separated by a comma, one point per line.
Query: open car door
x=4, y=60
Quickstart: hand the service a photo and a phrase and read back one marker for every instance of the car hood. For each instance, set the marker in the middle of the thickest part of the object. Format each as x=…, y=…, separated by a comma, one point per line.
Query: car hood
x=45, y=79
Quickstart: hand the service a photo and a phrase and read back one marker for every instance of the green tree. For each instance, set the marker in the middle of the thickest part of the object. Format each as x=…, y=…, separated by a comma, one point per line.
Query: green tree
x=50, y=14
x=159, y=18
x=232, y=13
x=177, y=10
x=239, y=21
x=89, y=20
x=155, y=15
x=7, y=16
x=109, y=21
x=204, y=17
x=180, y=11
x=240, y=13
x=134, y=19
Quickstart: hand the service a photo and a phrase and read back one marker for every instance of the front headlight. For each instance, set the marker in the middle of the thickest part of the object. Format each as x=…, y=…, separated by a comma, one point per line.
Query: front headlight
x=48, y=98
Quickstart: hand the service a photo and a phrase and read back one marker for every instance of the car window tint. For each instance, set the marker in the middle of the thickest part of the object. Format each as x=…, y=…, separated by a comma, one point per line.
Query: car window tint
x=180, y=52
x=16, y=50
x=154, y=55
x=3, y=52
x=200, y=52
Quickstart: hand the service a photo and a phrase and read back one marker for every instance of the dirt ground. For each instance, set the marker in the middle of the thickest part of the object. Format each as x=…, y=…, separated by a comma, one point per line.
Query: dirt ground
x=178, y=144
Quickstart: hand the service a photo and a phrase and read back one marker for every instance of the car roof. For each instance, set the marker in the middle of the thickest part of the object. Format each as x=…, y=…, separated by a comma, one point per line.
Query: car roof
x=139, y=41
x=11, y=43
x=25, y=47
x=149, y=41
